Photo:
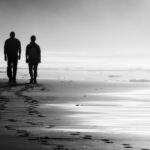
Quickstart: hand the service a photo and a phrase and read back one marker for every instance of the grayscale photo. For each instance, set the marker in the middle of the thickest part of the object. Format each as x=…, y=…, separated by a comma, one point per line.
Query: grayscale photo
x=74, y=74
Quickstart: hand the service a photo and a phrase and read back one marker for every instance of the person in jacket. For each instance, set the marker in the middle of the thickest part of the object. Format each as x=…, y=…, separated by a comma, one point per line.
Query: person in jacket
x=12, y=53
x=33, y=58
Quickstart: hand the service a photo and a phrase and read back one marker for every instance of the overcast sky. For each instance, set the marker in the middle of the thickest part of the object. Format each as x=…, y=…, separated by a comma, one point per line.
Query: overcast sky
x=100, y=33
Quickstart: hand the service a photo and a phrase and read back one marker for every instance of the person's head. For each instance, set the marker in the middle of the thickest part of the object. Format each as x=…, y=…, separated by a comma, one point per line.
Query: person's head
x=12, y=34
x=33, y=38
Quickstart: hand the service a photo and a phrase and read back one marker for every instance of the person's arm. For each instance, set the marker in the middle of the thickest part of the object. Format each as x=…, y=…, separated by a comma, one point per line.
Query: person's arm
x=27, y=54
x=19, y=50
x=39, y=54
x=5, y=51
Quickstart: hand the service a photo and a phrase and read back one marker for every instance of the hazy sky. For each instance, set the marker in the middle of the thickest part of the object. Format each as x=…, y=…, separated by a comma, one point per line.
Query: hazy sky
x=102, y=33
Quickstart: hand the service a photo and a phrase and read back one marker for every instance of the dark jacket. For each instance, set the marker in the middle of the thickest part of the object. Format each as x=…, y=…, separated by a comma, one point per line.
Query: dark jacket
x=12, y=48
x=33, y=53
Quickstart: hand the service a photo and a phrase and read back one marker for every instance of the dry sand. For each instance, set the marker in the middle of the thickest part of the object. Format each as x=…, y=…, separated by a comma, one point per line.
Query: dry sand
x=71, y=115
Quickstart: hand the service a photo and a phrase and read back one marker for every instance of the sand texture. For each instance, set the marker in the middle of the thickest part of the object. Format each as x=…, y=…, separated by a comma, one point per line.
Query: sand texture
x=72, y=115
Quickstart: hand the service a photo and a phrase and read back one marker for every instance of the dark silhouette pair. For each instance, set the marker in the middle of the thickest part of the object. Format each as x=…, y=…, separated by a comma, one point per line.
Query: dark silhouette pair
x=12, y=53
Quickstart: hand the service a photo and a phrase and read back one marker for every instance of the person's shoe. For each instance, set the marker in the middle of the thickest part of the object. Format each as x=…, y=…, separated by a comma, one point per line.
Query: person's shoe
x=31, y=81
x=14, y=81
x=35, y=81
x=10, y=80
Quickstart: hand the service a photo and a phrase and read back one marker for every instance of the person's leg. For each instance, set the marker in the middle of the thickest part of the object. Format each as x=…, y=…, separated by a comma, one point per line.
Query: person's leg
x=9, y=70
x=35, y=72
x=15, y=62
x=31, y=72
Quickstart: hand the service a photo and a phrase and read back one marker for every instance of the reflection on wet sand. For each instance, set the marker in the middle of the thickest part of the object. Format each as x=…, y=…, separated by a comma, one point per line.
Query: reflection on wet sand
x=128, y=114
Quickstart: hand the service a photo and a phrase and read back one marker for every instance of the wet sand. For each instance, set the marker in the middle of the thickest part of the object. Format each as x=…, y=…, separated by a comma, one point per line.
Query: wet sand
x=74, y=115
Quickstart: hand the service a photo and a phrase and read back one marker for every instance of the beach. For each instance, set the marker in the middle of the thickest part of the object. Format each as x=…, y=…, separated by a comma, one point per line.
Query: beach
x=90, y=64
x=66, y=114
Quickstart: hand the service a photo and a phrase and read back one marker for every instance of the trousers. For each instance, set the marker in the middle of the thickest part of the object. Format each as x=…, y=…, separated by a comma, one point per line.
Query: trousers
x=12, y=68
x=33, y=70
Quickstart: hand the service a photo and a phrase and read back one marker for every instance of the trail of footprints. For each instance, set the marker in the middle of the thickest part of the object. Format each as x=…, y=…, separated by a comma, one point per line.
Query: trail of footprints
x=33, y=103
x=45, y=140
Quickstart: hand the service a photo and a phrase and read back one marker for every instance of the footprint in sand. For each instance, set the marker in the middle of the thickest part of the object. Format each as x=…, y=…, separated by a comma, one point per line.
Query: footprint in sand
x=60, y=147
x=43, y=89
x=9, y=127
x=107, y=141
x=79, y=104
x=33, y=101
x=50, y=126
x=23, y=133
x=41, y=116
x=87, y=137
x=12, y=120
x=32, y=111
x=44, y=140
x=33, y=138
x=2, y=107
x=31, y=123
x=41, y=140
x=127, y=146
x=27, y=99
x=76, y=133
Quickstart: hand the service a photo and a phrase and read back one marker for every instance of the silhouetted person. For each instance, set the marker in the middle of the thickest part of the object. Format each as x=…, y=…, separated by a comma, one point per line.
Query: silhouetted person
x=12, y=52
x=33, y=58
